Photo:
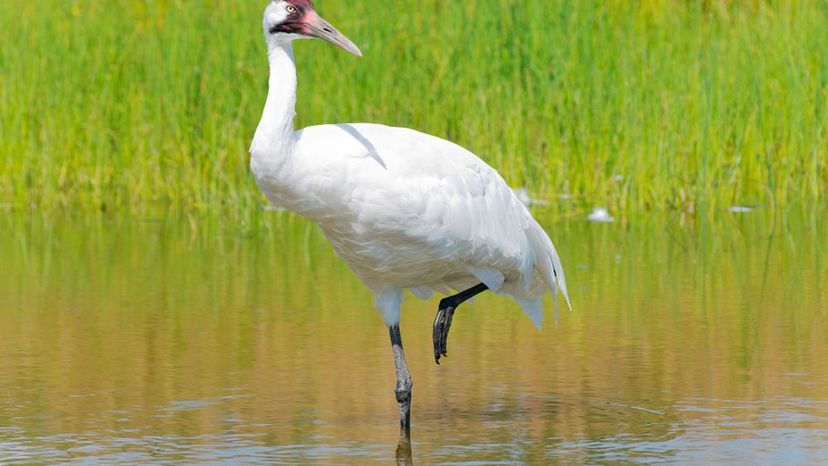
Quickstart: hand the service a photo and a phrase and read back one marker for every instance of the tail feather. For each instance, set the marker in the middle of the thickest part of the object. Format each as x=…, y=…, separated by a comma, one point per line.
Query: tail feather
x=548, y=263
x=533, y=309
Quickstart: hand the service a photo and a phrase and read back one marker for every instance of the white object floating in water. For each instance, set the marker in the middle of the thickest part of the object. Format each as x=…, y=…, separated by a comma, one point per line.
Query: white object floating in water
x=523, y=195
x=600, y=215
x=740, y=209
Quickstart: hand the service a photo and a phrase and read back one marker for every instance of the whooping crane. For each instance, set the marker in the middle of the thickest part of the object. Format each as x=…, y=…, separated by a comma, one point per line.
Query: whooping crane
x=404, y=209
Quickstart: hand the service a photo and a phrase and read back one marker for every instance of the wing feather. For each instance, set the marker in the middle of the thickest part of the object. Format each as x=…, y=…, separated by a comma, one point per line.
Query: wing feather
x=430, y=208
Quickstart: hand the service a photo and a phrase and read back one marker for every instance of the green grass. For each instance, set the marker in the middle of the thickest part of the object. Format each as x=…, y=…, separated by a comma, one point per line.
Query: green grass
x=140, y=105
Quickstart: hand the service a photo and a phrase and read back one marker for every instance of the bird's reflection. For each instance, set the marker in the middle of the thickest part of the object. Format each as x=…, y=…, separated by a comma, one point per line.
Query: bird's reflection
x=404, y=448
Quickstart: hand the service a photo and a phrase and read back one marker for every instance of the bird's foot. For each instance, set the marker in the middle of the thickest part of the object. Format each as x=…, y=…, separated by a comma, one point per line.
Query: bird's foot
x=442, y=323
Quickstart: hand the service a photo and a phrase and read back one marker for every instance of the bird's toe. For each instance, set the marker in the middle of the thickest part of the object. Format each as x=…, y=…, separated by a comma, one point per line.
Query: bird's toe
x=442, y=323
x=437, y=333
x=449, y=315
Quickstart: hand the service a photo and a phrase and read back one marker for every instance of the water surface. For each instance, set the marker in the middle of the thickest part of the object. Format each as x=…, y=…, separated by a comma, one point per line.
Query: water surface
x=158, y=341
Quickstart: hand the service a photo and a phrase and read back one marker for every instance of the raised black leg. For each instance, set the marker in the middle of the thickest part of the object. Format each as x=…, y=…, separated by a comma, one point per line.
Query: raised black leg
x=445, y=313
x=403, y=389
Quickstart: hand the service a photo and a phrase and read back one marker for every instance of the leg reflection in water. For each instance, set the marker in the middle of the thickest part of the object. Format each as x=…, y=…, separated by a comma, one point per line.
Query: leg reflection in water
x=404, y=448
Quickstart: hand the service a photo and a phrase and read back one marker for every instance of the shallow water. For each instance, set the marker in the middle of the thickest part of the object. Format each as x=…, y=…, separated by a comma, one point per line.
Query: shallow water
x=163, y=342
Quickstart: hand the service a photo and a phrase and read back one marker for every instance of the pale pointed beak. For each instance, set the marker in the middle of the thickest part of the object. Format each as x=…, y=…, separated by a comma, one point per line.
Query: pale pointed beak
x=324, y=30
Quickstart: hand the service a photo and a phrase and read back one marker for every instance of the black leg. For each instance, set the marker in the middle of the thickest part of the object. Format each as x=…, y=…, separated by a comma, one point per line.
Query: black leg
x=403, y=389
x=445, y=313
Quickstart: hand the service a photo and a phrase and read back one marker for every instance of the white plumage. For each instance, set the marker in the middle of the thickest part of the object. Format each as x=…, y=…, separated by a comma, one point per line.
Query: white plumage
x=405, y=210
x=409, y=210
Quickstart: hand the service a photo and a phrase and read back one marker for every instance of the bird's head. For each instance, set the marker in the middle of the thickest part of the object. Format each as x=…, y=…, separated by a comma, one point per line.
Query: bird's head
x=287, y=20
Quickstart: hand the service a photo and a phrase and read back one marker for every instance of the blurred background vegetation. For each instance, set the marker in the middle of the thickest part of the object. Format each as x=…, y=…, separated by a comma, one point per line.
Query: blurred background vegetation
x=144, y=105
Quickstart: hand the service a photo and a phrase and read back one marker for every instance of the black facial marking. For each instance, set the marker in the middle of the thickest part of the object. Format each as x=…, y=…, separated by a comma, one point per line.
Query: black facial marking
x=289, y=27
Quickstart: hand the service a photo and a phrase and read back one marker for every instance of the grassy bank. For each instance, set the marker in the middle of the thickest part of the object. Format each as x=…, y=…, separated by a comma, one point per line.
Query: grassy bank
x=135, y=105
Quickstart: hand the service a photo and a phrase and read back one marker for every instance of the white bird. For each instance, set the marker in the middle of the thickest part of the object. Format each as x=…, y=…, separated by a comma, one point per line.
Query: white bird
x=600, y=215
x=404, y=209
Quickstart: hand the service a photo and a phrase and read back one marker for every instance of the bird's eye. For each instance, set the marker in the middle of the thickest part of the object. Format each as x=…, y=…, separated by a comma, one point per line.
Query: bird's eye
x=291, y=9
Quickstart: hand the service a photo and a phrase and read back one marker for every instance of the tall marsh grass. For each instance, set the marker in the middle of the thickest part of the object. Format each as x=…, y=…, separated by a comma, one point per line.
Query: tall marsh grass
x=136, y=105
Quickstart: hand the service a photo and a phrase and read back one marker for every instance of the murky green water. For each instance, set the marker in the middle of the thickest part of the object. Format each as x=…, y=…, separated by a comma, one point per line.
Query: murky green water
x=143, y=341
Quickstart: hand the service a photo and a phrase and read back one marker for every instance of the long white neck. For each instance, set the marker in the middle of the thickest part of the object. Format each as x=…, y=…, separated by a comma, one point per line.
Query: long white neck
x=272, y=144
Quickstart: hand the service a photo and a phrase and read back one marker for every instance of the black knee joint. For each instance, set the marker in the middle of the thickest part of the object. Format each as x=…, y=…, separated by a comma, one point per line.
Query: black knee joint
x=403, y=391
